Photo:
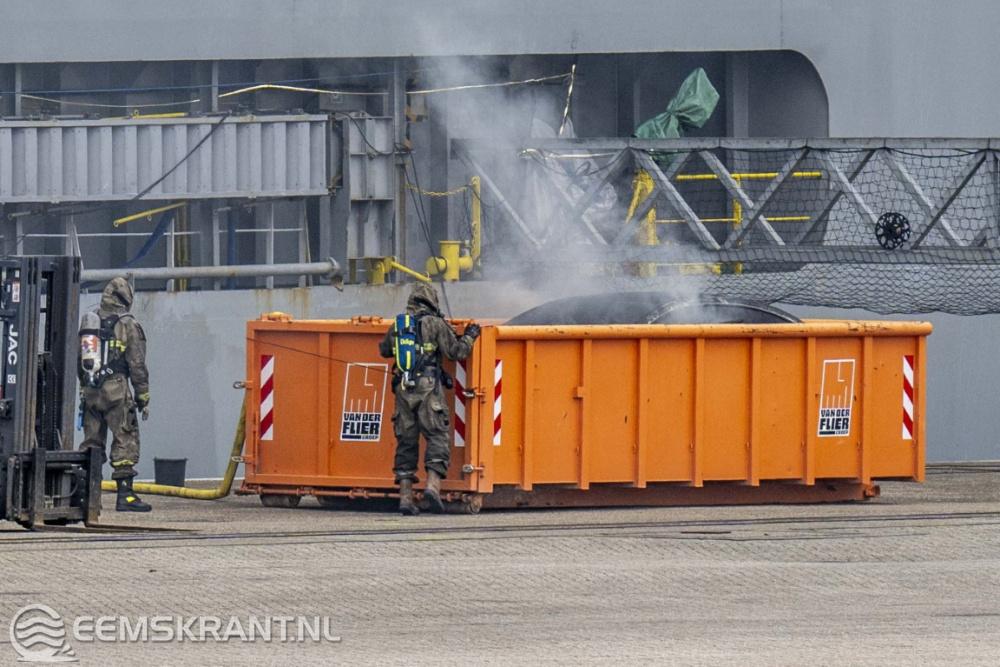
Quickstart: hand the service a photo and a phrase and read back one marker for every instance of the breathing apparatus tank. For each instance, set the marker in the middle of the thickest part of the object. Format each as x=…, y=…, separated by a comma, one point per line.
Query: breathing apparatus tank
x=90, y=345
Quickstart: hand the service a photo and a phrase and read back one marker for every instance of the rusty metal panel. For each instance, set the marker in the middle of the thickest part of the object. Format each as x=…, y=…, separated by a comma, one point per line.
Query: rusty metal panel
x=55, y=161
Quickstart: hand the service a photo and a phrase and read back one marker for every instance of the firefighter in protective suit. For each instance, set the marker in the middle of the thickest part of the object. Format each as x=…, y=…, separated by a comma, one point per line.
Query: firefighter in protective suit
x=113, y=354
x=420, y=401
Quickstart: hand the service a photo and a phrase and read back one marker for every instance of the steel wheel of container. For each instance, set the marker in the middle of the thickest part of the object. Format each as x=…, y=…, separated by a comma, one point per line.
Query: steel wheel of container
x=333, y=502
x=279, y=500
x=467, y=505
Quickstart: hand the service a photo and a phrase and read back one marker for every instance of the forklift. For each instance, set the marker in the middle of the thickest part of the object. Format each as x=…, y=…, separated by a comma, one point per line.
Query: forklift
x=43, y=481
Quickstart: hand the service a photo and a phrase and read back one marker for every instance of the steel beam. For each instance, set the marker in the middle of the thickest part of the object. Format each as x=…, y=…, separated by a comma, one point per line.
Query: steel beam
x=731, y=143
x=936, y=213
x=736, y=192
x=328, y=269
x=595, y=235
x=917, y=192
x=677, y=201
x=511, y=211
x=680, y=159
x=846, y=186
x=754, y=213
x=866, y=157
x=843, y=255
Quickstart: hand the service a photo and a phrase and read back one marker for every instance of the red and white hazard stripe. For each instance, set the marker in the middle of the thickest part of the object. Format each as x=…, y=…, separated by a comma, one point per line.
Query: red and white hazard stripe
x=460, y=375
x=908, y=397
x=497, y=395
x=267, y=397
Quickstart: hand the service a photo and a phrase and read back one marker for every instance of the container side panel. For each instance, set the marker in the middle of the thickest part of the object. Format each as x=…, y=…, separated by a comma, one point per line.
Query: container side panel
x=322, y=402
x=287, y=441
x=671, y=393
x=782, y=403
x=362, y=443
x=837, y=423
x=727, y=423
x=556, y=416
x=612, y=411
x=507, y=462
x=894, y=432
x=459, y=455
x=352, y=443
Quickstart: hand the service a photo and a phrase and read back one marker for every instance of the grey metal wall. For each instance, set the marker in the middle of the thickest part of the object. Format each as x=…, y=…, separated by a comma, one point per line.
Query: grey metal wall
x=196, y=351
x=892, y=67
x=56, y=161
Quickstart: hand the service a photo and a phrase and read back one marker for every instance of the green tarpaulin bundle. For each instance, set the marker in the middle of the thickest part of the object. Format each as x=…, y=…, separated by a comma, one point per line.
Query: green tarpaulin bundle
x=690, y=108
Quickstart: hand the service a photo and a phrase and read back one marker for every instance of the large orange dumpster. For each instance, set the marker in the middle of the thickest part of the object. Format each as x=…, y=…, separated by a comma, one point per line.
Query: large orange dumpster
x=600, y=415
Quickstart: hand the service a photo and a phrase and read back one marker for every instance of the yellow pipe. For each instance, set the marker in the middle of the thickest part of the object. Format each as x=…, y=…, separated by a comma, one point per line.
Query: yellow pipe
x=407, y=270
x=170, y=114
x=477, y=220
x=750, y=176
x=221, y=491
x=182, y=246
x=118, y=222
x=379, y=268
x=451, y=262
x=642, y=188
x=780, y=218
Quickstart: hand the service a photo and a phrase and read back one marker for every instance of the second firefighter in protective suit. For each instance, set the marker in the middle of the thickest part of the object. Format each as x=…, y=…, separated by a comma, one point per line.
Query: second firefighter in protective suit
x=418, y=340
x=113, y=355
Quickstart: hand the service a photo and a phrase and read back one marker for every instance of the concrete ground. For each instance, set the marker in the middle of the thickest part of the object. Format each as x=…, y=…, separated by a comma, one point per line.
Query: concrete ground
x=910, y=578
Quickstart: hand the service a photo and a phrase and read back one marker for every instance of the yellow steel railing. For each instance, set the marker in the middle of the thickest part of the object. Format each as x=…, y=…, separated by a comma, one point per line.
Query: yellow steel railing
x=147, y=214
x=643, y=186
x=737, y=218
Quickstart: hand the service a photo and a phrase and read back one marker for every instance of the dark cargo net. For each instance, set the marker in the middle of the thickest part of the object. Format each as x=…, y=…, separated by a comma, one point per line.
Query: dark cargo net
x=897, y=227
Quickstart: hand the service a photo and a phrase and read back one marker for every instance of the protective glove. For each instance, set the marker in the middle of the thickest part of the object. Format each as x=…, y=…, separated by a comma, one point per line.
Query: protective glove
x=472, y=331
x=142, y=402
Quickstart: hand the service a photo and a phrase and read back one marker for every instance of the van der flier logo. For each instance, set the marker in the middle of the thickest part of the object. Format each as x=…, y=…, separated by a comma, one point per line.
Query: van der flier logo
x=836, y=397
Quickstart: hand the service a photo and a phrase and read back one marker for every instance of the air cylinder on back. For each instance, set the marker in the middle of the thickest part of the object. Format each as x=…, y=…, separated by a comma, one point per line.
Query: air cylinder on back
x=90, y=344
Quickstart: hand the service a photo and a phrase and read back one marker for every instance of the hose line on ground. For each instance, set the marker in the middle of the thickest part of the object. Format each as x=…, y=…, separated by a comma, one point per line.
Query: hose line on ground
x=221, y=491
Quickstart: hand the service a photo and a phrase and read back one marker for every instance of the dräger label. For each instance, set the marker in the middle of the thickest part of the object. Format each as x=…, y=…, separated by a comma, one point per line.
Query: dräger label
x=836, y=398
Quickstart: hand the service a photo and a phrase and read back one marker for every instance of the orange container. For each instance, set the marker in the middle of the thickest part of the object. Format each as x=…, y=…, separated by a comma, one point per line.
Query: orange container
x=600, y=415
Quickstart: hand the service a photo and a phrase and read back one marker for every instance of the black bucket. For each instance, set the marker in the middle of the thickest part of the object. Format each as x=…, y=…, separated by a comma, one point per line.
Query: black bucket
x=169, y=472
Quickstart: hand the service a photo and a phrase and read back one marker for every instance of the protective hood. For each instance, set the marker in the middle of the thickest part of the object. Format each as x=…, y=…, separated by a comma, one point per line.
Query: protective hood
x=423, y=299
x=117, y=296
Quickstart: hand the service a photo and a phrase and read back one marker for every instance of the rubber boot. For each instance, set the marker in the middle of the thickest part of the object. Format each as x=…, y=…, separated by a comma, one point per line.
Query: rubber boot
x=127, y=500
x=433, y=493
x=406, y=505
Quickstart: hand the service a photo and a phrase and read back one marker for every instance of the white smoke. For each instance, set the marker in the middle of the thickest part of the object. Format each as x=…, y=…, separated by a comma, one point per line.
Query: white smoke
x=541, y=188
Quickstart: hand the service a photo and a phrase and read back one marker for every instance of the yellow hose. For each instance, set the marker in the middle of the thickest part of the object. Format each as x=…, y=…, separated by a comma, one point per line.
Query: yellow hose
x=221, y=491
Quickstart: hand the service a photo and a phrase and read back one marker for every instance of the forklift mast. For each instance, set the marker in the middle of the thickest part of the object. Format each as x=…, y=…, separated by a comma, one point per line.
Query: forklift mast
x=42, y=480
